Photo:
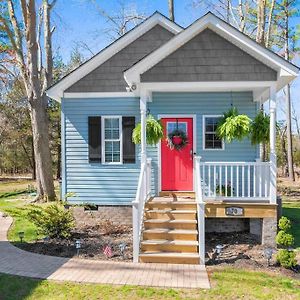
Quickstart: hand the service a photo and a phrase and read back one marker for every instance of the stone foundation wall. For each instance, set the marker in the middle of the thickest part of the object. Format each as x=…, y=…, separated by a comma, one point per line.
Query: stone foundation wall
x=269, y=231
x=226, y=225
x=116, y=214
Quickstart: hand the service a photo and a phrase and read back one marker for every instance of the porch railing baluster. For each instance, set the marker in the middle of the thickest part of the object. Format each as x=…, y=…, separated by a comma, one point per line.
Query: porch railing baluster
x=235, y=180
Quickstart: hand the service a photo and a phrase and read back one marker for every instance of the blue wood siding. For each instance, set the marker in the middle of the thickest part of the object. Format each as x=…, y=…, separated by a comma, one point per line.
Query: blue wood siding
x=94, y=182
x=116, y=184
x=201, y=104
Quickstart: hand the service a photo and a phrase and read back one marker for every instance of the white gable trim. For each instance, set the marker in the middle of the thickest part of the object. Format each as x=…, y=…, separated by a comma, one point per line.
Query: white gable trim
x=132, y=75
x=56, y=92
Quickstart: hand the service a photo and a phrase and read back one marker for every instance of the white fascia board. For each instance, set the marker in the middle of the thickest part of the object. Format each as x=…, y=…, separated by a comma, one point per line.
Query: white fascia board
x=257, y=87
x=56, y=92
x=132, y=75
x=99, y=95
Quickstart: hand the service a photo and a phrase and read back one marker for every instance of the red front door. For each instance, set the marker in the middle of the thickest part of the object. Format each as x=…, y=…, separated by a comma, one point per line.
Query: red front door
x=177, y=165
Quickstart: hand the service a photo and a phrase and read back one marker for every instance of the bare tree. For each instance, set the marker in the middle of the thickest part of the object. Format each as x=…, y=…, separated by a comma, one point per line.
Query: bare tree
x=286, y=7
x=122, y=20
x=261, y=21
x=270, y=24
x=24, y=36
x=171, y=10
x=296, y=120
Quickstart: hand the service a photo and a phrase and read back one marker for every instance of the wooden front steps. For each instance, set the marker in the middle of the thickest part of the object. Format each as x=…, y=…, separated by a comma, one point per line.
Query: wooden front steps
x=170, y=231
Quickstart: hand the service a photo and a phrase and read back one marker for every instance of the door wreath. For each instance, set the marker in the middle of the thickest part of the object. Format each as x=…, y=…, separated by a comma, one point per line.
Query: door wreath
x=177, y=139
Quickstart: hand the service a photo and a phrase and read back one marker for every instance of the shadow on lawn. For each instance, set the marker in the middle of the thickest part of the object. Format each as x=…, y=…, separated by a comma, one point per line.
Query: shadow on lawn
x=16, y=287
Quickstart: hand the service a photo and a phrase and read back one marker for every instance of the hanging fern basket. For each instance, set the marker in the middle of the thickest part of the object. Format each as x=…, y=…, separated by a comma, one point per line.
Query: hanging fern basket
x=154, y=131
x=233, y=126
x=260, y=129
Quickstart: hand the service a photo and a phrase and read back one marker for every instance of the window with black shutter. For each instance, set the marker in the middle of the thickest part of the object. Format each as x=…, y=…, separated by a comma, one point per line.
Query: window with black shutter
x=128, y=124
x=94, y=139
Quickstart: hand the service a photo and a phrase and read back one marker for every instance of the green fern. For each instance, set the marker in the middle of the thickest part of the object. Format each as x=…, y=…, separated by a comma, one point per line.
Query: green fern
x=154, y=131
x=233, y=126
x=260, y=129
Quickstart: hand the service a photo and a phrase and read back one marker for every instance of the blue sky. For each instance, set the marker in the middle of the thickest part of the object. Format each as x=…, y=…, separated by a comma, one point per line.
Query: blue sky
x=77, y=21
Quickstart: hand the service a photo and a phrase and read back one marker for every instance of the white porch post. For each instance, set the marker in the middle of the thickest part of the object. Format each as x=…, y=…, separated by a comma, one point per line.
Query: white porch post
x=143, y=108
x=273, y=157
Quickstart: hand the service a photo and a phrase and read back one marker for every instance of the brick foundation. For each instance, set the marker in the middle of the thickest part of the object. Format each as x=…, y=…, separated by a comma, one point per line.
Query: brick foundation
x=116, y=214
x=226, y=225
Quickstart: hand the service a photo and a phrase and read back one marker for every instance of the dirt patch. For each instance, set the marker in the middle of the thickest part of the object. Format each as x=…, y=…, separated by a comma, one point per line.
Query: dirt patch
x=242, y=251
x=93, y=241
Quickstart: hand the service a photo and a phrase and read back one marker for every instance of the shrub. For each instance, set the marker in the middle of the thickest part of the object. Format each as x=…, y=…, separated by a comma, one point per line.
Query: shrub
x=284, y=224
x=284, y=239
x=53, y=221
x=286, y=258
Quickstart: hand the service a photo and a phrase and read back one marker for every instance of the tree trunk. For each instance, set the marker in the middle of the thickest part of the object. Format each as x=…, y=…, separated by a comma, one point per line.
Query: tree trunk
x=39, y=120
x=289, y=134
x=33, y=161
x=171, y=10
x=261, y=16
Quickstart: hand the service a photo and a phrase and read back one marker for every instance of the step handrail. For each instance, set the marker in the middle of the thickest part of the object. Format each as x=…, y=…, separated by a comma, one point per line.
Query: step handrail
x=200, y=210
x=143, y=193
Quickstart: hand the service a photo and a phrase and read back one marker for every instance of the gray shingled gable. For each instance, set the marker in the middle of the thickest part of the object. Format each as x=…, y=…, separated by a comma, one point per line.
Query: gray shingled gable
x=109, y=76
x=208, y=57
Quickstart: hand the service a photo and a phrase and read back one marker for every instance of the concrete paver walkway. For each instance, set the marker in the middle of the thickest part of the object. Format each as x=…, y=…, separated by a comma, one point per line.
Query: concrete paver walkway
x=18, y=262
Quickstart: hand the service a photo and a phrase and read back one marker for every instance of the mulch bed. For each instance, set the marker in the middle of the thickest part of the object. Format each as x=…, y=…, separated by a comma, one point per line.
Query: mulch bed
x=93, y=240
x=240, y=250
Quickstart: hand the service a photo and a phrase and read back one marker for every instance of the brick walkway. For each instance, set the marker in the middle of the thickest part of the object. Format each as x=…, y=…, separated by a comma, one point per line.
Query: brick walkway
x=18, y=262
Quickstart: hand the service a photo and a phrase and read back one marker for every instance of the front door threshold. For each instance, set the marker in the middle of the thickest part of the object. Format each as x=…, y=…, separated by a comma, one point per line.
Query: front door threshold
x=177, y=194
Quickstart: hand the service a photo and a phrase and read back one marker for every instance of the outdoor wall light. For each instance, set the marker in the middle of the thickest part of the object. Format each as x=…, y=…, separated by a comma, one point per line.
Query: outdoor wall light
x=77, y=246
x=21, y=235
x=268, y=253
x=122, y=248
x=219, y=249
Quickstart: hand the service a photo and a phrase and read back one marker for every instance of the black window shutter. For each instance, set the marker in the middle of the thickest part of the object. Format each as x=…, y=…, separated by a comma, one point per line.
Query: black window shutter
x=95, y=139
x=128, y=124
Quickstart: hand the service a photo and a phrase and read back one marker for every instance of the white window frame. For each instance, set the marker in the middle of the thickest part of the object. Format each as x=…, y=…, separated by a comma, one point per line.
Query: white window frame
x=204, y=117
x=103, y=140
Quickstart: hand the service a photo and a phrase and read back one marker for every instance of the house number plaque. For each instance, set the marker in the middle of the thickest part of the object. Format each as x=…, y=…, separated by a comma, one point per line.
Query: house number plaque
x=234, y=211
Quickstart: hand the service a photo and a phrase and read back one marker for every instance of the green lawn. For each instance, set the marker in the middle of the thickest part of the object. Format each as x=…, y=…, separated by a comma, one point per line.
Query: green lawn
x=292, y=211
x=12, y=205
x=227, y=284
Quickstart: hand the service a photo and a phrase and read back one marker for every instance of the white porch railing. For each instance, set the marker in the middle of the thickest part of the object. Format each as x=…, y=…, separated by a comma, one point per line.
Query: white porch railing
x=138, y=205
x=235, y=180
x=200, y=211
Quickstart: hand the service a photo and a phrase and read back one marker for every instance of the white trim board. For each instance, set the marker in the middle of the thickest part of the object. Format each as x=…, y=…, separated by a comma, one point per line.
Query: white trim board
x=194, y=117
x=286, y=71
x=260, y=89
x=56, y=91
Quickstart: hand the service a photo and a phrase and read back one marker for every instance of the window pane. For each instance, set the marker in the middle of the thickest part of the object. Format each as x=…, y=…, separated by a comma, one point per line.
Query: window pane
x=211, y=139
x=217, y=143
x=171, y=126
x=107, y=123
x=211, y=124
x=115, y=123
